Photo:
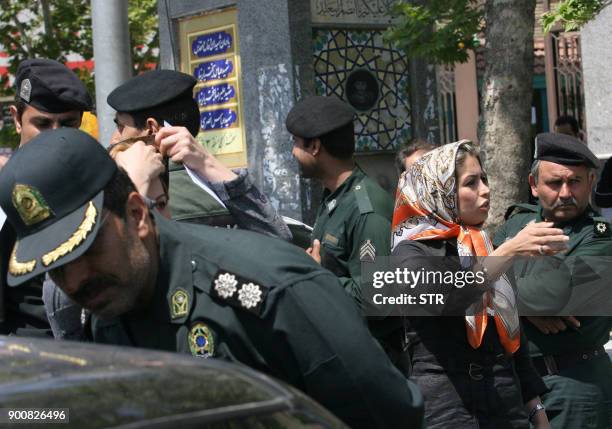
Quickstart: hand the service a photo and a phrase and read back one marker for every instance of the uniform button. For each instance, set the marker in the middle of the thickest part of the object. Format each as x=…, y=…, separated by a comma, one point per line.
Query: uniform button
x=194, y=265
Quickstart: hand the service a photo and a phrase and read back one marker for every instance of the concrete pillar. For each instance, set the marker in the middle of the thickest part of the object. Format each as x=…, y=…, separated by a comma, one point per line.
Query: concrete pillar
x=596, y=65
x=112, y=56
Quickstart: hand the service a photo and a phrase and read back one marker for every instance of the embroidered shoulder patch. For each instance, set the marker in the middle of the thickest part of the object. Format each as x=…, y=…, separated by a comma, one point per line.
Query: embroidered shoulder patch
x=201, y=341
x=239, y=292
x=601, y=229
x=180, y=304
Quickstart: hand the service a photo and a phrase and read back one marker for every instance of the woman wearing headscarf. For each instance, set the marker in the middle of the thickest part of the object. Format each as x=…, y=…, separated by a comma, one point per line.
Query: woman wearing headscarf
x=473, y=369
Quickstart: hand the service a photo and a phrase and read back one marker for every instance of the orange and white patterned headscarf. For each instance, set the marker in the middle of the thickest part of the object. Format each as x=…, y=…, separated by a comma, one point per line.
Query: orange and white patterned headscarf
x=426, y=208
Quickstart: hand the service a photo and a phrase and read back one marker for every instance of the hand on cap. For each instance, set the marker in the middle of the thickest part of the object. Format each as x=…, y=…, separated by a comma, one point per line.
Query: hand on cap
x=178, y=144
x=142, y=163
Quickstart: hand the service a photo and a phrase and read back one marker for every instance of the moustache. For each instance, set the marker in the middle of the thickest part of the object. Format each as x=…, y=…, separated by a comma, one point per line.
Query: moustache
x=566, y=203
x=89, y=288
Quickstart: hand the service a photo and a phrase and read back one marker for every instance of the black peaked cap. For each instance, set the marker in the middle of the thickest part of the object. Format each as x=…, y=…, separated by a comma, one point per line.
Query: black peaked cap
x=51, y=190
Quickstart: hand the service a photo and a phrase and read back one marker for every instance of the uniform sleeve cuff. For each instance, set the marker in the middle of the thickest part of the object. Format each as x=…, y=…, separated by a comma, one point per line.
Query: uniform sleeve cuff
x=233, y=188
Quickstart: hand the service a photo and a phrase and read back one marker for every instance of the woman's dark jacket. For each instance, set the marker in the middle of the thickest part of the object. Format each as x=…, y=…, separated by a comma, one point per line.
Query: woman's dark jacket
x=462, y=386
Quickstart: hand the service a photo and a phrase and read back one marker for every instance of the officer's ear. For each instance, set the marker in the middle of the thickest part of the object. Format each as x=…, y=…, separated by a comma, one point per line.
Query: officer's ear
x=315, y=146
x=152, y=125
x=137, y=215
x=16, y=118
x=533, y=186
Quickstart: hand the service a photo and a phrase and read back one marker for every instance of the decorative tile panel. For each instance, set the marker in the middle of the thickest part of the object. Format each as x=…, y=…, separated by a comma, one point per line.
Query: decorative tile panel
x=372, y=76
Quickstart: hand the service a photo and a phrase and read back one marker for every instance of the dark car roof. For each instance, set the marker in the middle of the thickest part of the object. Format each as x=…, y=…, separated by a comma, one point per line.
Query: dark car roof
x=111, y=386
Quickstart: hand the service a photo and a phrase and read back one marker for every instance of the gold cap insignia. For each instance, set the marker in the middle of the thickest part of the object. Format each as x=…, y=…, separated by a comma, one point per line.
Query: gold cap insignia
x=75, y=239
x=30, y=205
x=201, y=341
x=17, y=268
x=180, y=304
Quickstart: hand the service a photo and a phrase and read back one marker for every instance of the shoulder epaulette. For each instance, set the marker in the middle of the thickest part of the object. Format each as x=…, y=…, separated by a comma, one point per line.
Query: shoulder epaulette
x=239, y=292
x=362, y=197
x=520, y=208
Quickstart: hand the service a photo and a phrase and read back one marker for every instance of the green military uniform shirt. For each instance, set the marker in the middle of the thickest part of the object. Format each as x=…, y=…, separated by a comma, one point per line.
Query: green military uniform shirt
x=21, y=308
x=581, y=395
x=353, y=225
x=190, y=203
x=547, y=287
x=263, y=302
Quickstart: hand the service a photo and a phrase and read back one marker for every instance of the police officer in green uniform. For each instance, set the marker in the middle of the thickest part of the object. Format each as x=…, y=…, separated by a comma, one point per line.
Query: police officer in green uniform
x=144, y=105
x=48, y=96
x=568, y=351
x=353, y=223
x=212, y=292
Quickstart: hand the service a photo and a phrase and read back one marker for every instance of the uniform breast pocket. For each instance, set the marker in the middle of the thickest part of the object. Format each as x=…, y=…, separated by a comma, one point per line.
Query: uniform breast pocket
x=333, y=252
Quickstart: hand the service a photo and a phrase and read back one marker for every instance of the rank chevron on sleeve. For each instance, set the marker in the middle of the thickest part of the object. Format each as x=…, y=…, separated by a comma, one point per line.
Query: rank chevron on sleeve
x=367, y=252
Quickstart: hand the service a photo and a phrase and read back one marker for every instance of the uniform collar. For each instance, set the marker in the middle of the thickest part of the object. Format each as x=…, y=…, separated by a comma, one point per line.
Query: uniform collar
x=174, y=289
x=573, y=225
x=175, y=277
x=331, y=199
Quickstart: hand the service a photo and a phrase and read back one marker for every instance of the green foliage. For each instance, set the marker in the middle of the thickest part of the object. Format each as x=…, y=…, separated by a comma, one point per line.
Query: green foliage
x=573, y=14
x=441, y=31
x=8, y=136
x=51, y=29
x=57, y=28
x=144, y=34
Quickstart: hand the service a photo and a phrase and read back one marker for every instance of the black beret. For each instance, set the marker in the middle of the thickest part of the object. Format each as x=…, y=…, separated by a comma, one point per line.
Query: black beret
x=51, y=87
x=151, y=89
x=564, y=149
x=316, y=116
x=52, y=191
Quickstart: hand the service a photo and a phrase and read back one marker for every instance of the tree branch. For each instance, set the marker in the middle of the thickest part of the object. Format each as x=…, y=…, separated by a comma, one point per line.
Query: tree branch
x=46, y=13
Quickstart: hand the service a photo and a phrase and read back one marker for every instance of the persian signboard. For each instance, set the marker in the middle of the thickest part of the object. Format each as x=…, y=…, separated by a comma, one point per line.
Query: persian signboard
x=350, y=12
x=210, y=53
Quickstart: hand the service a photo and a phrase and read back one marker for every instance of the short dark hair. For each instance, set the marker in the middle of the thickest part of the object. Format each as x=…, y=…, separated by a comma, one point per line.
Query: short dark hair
x=116, y=192
x=340, y=143
x=180, y=112
x=411, y=147
x=20, y=105
x=568, y=120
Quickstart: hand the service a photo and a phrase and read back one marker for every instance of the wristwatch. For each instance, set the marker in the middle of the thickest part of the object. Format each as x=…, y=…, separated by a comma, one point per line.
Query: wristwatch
x=532, y=413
